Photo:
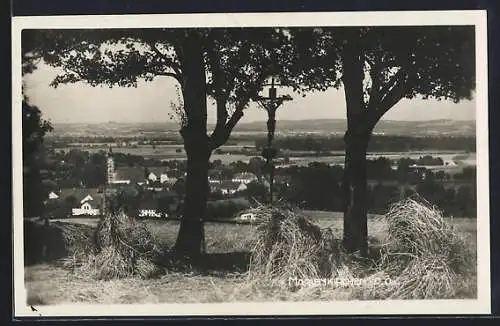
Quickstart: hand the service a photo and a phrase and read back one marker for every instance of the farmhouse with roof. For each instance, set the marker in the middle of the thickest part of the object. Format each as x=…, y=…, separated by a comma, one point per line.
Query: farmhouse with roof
x=130, y=175
x=214, y=180
x=159, y=204
x=155, y=177
x=53, y=195
x=229, y=187
x=80, y=201
x=244, y=177
x=158, y=174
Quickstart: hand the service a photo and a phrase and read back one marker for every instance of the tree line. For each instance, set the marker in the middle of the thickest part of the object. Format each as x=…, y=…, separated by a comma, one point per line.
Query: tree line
x=318, y=187
x=378, y=143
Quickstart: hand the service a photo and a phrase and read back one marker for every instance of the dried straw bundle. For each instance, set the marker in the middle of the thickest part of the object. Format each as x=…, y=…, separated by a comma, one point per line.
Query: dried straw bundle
x=287, y=245
x=79, y=241
x=128, y=236
x=124, y=247
x=423, y=254
x=108, y=264
x=79, y=238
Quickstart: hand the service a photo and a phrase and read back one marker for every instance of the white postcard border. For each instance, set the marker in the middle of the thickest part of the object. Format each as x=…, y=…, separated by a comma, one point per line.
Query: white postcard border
x=473, y=17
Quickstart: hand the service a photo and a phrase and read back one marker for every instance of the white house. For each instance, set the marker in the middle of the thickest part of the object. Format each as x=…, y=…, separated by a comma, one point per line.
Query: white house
x=230, y=187
x=227, y=191
x=245, y=177
x=129, y=175
x=84, y=201
x=149, y=209
x=121, y=182
x=86, y=207
x=450, y=163
x=150, y=213
x=241, y=187
x=214, y=181
x=152, y=177
x=250, y=217
x=53, y=195
x=158, y=175
x=247, y=216
x=164, y=178
x=155, y=188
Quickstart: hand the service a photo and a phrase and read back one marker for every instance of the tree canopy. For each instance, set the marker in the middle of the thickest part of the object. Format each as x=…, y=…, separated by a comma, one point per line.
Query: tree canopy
x=34, y=129
x=236, y=61
x=388, y=63
x=377, y=67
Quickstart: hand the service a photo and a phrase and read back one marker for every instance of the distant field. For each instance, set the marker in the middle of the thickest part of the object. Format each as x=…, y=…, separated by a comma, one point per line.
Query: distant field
x=171, y=152
x=162, y=152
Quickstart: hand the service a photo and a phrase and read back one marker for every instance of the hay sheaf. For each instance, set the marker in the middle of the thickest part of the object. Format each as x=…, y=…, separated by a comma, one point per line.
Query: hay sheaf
x=51, y=242
x=287, y=246
x=123, y=248
x=79, y=239
x=424, y=256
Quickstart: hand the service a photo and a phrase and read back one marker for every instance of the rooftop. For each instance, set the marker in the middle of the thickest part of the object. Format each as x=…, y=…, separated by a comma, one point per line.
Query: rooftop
x=81, y=193
x=230, y=185
x=244, y=175
x=133, y=174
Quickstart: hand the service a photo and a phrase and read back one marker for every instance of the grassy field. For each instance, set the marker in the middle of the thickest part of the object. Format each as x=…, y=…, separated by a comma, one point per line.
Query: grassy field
x=224, y=279
x=232, y=233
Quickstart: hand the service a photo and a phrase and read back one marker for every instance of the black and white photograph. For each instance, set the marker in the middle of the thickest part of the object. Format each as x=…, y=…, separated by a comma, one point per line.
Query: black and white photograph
x=251, y=164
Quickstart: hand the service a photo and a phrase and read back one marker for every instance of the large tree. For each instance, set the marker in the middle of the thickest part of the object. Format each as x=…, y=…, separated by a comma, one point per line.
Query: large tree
x=226, y=65
x=34, y=128
x=377, y=67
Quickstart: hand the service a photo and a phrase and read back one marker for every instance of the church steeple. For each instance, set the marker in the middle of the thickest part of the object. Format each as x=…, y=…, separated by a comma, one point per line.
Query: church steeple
x=110, y=167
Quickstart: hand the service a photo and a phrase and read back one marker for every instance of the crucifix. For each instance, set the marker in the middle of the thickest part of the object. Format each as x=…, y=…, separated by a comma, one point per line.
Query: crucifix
x=271, y=103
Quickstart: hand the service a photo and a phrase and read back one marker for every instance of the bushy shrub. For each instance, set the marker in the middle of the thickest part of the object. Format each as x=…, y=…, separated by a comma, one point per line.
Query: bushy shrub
x=226, y=209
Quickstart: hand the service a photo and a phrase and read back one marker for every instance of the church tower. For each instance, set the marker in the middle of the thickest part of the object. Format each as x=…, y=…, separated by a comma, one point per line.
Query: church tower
x=110, y=167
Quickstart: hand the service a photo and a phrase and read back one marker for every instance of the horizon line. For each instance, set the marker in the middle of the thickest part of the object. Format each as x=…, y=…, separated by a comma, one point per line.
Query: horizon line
x=254, y=121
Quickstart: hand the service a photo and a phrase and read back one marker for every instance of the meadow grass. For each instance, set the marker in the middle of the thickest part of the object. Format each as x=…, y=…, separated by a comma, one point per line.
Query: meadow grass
x=54, y=283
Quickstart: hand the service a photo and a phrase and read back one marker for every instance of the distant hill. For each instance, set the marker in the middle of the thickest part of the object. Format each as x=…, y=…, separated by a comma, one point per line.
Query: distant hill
x=322, y=126
x=430, y=127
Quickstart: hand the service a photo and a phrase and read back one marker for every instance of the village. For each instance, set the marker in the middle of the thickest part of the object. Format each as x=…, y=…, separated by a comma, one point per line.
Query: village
x=149, y=185
x=151, y=189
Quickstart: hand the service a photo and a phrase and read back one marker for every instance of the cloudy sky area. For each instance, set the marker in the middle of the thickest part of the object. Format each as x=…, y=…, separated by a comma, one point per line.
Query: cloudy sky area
x=150, y=102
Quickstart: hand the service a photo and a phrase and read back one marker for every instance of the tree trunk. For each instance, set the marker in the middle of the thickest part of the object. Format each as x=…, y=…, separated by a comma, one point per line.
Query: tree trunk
x=32, y=193
x=190, y=239
x=196, y=143
x=355, y=191
x=356, y=143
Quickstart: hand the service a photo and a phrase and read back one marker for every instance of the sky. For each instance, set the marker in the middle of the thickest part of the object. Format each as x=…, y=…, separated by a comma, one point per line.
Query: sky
x=150, y=102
